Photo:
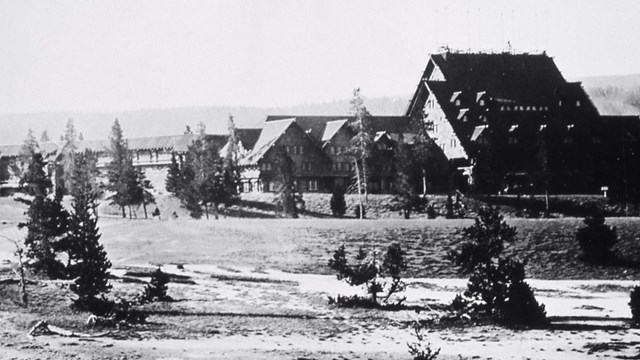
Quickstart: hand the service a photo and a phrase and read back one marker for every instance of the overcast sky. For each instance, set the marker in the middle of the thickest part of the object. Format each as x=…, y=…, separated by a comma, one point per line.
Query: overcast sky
x=118, y=55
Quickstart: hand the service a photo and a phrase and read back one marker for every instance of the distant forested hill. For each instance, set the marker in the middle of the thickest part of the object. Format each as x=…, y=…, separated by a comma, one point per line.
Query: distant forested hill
x=172, y=121
x=614, y=95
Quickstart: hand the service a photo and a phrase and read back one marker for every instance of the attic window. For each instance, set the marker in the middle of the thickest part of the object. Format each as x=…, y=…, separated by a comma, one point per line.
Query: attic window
x=453, y=143
x=266, y=166
x=577, y=103
x=457, y=102
x=481, y=102
x=513, y=140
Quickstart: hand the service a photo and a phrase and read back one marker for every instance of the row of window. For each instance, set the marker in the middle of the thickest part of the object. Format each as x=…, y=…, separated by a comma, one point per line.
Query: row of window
x=341, y=166
x=337, y=150
x=267, y=166
x=293, y=149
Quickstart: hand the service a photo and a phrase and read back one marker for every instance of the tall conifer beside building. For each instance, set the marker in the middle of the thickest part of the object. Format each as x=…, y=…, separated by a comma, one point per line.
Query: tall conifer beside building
x=88, y=262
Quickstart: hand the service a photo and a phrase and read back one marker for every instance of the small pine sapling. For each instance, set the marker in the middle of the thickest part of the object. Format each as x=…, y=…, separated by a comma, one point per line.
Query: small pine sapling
x=421, y=348
x=157, y=288
x=496, y=286
x=597, y=240
x=369, y=272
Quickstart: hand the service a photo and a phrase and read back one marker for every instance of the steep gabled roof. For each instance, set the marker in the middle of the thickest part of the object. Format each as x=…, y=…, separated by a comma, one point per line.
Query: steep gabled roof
x=526, y=78
x=316, y=126
x=271, y=132
x=248, y=137
x=331, y=129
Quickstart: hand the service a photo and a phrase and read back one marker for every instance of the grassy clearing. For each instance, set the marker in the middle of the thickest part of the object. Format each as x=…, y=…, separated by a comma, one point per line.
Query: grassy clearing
x=305, y=246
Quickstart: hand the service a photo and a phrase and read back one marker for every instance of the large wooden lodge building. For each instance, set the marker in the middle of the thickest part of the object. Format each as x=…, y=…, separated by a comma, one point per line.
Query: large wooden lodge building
x=502, y=121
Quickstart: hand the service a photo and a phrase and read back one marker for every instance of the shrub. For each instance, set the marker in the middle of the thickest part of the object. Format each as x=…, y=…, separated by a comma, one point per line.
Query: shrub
x=337, y=203
x=111, y=313
x=156, y=290
x=496, y=287
x=367, y=271
x=634, y=303
x=596, y=239
x=431, y=212
x=421, y=349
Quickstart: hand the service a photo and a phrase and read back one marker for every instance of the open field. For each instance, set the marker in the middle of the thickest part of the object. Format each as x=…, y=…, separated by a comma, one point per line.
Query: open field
x=305, y=245
x=258, y=288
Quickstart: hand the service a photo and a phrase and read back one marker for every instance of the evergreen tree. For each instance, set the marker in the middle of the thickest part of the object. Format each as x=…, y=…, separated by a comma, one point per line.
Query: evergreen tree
x=202, y=177
x=231, y=167
x=187, y=130
x=426, y=154
x=361, y=144
x=68, y=151
x=44, y=137
x=140, y=190
x=29, y=147
x=285, y=195
x=120, y=169
x=202, y=129
x=173, y=181
x=88, y=262
x=403, y=184
x=215, y=181
x=46, y=220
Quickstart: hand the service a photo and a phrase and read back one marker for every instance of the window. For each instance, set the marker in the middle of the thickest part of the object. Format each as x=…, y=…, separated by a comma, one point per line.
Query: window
x=568, y=140
x=312, y=185
x=457, y=102
x=306, y=166
x=332, y=150
x=453, y=142
x=596, y=140
x=435, y=127
x=288, y=149
x=513, y=140
x=299, y=150
x=481, y=103
x=578, y=103
x=266, y=166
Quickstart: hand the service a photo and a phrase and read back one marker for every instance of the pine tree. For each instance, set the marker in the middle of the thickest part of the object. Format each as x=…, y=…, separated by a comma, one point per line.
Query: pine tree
x=403, y=184
x=44, y=137
x=201, y=129
x=68, y=151
x=231, y=167
x=361, y=144
x=425, y=152
x=203, y=181
x=87, y=257
x=173, y=181
x=140, y=190
x=46, y=220
x=29, y=147
x=119, y=169
x=285, y=195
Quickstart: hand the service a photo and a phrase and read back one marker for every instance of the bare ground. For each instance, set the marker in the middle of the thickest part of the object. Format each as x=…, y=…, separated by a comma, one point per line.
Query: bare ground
x=258, y=289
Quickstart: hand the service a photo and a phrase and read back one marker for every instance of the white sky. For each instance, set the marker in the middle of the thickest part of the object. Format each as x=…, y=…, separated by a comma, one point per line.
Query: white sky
x=117, y=55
